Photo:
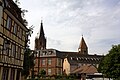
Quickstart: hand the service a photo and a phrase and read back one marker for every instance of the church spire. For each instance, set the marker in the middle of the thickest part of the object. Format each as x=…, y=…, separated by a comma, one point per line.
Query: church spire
x=41, y=33
x=83, y=49
x=40, y=43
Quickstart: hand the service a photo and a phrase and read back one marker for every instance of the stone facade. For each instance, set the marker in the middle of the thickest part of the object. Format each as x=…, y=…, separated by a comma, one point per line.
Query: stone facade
x=12, y=40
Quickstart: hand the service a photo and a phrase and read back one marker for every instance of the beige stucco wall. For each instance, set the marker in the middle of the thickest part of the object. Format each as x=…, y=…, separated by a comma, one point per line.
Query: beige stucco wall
x=66, y=66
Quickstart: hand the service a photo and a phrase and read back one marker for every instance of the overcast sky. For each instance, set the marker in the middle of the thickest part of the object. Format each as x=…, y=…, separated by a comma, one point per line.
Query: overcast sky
x=64, y=22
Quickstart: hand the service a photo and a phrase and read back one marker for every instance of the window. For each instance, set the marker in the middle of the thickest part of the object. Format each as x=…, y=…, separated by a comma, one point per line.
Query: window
x=6, y=47
x=12, y=74
x=49, y=61
x=9, y=23
x=20, y=34
x=43, y=61
x=50, y=52
x=44, y=53
x=18, y=30
x=59, y=62
x=15, y=29
x=59, y=71
x=19, y=53
x=6, y=2
x=18, y=75
x=49, y=71
x=13, y=50
x=5, y=74
x=1, y=53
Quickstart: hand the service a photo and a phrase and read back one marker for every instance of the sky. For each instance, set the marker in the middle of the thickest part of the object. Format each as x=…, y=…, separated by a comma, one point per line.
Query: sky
x=65, y=21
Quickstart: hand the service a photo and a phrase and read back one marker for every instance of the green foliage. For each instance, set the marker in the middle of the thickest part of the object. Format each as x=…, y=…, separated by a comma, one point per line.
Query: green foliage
x=110, y=65
x=65, y=77
x=42, y=73
x=28, y=62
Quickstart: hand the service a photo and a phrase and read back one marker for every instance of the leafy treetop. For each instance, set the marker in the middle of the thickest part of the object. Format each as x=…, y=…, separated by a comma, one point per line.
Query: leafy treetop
x=110, y=65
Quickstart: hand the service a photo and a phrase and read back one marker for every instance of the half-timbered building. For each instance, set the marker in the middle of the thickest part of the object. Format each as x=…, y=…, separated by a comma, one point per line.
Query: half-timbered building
x=12, y=40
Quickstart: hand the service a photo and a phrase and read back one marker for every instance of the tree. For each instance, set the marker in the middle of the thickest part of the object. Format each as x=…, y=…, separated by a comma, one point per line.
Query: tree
x=110, y=65
x=28, y=62
x=42, y=73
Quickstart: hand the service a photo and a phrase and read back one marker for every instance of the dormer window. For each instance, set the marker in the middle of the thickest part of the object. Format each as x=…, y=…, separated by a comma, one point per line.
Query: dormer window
x=6, y=2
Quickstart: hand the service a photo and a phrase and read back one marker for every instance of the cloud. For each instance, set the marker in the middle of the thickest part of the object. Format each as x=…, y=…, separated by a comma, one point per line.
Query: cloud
x=66, y=20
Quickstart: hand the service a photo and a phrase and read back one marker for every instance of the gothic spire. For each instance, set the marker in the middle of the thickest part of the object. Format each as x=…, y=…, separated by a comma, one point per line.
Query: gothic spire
x=41, y=33
x=40, y=43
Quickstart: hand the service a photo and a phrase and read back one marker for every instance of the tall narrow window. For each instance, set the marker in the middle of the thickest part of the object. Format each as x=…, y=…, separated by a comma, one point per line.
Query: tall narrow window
x=15, y=29
x=49, y=71
x=19, y=53
x=20, y=32
x=13, y=50
x=5, y=74
x=18, y=75
x=9, y=22
x=49, y=61
x=6, y=47
x=59, y=62
x=12, y=74
x=43, y=61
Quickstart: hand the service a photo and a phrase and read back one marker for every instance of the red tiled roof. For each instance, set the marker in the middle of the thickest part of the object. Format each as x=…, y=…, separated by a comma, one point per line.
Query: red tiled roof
x=88, y=69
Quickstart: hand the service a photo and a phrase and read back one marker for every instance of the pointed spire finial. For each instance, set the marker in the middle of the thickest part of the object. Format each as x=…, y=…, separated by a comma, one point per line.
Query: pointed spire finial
x=82, y=35
x=41, y=21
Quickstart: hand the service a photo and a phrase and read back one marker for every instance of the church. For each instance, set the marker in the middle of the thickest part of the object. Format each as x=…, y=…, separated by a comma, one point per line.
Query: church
x=56, y=62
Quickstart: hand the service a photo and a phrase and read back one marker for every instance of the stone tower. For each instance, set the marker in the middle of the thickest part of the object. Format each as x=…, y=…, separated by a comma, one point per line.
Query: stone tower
x=83, y=49
x=40, y=41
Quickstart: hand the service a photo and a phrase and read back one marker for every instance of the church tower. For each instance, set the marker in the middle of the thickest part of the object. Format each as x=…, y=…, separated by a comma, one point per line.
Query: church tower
x=83, y=49
x=40, y=42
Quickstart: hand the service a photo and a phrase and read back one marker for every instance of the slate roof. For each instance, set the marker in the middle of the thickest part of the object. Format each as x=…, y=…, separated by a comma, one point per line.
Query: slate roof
x=75, y=58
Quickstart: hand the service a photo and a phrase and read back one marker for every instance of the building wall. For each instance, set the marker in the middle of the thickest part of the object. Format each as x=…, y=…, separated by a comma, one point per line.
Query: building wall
x=1, y=9
x=12, y=44
x=78, y=61
x=66, y=66
x=49, y=61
